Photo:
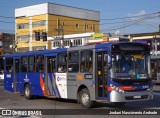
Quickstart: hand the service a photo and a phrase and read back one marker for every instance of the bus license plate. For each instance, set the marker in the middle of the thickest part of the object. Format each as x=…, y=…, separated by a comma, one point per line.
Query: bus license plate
x=136, y=97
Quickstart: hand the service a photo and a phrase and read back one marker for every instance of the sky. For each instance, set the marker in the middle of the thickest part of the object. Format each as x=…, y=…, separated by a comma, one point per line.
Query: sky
x=116, y=16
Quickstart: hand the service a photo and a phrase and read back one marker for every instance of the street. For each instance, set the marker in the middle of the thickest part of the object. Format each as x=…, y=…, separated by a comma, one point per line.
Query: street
x=10, y=100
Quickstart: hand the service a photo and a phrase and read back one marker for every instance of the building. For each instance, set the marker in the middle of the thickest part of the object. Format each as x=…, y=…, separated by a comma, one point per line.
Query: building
x=6, y=43
x=6, y=46
x=37, y=21
x=152, y=39
x=81, y=39
x=69, y=40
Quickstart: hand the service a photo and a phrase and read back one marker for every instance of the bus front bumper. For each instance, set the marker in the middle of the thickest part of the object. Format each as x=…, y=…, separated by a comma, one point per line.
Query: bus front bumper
x=116, y=96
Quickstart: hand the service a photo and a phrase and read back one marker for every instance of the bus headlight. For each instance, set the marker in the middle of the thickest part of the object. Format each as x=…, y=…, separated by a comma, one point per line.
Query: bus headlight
x=117, y=89
x=121, y=91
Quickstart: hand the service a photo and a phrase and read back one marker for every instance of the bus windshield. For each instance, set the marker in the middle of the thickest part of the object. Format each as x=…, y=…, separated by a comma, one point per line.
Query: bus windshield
x=130, y=66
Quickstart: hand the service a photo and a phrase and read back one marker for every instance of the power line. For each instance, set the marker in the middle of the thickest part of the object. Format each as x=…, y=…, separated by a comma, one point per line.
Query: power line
x=117, y=10
x=76, y=19
x=123, y=26
x=114, y=28
x=132, y=16
x=94, y=24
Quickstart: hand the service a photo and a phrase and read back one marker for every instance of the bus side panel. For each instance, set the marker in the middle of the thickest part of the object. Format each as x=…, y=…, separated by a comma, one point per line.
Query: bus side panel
x=17, y=82
x=33, y=79
x=52, y=87
x=22, y=79
x=37, y=83
x=8, y=82
x=74, y=81
x=61, y=84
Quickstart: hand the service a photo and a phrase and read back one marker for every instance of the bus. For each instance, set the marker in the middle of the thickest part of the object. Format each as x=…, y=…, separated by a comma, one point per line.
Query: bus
x=109, y=72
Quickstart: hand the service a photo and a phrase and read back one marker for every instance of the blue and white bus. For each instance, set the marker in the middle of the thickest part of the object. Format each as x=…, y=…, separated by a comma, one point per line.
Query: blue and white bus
x=108, y=72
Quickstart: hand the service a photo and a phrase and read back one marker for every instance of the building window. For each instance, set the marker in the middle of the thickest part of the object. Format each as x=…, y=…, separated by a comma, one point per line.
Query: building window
x=67, y=42
x=56, y=43
x=86, y=61
x=63, y=24
x=39, y=23
x=73, y=61
x=35, y=48
x=25, y=49
x=77, y=25
x=23, y=38
x=93, y=27
x=22, y=26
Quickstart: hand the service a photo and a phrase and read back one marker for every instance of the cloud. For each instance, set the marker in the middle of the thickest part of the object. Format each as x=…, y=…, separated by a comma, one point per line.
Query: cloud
x=140, y=13
x=141, y=17
x=117, y=32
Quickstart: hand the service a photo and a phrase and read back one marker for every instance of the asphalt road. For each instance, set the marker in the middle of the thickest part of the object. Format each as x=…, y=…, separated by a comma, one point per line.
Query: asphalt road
x=53, y=106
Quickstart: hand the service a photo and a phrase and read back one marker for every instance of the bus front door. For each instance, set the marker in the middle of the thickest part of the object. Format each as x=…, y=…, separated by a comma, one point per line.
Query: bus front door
x=101, y=75
x=50, y=80
x=15, y=75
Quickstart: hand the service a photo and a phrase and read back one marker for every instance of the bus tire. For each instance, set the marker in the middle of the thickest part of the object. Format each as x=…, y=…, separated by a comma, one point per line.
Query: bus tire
x=27, y=92
x=85, y=98
x=119, y=104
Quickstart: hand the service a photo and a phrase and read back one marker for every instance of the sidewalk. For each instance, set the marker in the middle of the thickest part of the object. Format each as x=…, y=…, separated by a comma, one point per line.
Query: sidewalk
x=156, y=88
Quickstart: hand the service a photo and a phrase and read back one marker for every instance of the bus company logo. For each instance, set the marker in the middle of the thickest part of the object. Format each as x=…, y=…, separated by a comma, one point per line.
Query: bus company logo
x=57, y=78
x=26, y=79
x=6, y=112
x=60, y=78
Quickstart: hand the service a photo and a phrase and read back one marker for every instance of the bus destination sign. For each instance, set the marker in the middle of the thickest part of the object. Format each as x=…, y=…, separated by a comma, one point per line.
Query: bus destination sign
x=131, y=47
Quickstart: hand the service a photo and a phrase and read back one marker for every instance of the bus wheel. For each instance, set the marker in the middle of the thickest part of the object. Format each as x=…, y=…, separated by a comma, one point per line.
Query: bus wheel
x=27, y=92
x=119, y=104
x=85, y=98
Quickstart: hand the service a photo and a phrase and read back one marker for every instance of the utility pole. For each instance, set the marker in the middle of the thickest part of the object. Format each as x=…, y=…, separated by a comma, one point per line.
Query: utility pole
x=159, y=24
x=60, y=31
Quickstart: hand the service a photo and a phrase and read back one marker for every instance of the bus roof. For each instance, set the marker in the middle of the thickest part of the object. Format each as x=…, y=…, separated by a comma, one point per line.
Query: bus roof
x=39, y=52
x=101, y=45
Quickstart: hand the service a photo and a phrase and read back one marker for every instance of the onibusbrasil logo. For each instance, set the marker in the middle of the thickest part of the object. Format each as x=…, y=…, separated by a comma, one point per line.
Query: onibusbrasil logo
x=8, y=112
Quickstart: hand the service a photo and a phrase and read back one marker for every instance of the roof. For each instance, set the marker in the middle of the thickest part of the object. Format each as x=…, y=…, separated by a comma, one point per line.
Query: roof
x=143, y=34
x=57, y=9
x=36, y=52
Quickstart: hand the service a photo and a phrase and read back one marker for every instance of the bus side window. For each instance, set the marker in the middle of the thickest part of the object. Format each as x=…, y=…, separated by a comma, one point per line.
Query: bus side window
x=9, y=65
x=158, y=66
x=40, y=63
x=86, y=61
x=31, y=67
x=51, y=62
x=73, y=62
x=62, y=62
x=24, y=64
